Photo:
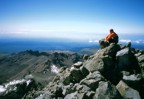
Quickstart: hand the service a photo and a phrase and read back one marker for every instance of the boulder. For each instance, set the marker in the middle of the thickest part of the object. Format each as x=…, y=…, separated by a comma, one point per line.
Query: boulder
x=78, y=64
x=106, y=90
x=67, y=89
x=95, y=65
x=136, y=82
x=127, y=92
x=16, y=89
x=92, y=80
x=123, y=59
x=71, y=96
x=101, y=64
x=141, y=58
x=77, y=75
x=84, y=71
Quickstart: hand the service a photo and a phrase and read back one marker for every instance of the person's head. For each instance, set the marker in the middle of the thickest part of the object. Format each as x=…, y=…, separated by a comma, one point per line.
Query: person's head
x=111, y=30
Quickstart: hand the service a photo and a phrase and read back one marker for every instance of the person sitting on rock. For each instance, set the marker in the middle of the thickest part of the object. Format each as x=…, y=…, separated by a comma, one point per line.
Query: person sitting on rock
x=110, y=38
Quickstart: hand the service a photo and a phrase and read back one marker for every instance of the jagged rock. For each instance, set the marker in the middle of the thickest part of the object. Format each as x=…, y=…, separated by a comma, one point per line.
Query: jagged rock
x=127, y=61
x=127, y=92
x=78, y=64
x=101, y=64
x=95, y=65
x=138, y=54
x=17, y=89
x=82, y=88
x=141, y=58
x=135, y=81
x=67, y=78
x=123, y=59
x=67, y=89
x=92, y=80
x=111, y=50
x=133, y=77
x=77, y=75
x=97, y=77
x=84, y=71
x=106, y=90
x=71, y=96
x=85, y=57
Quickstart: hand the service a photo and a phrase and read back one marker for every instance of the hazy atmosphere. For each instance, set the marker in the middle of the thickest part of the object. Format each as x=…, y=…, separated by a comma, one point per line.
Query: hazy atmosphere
x=74, y=19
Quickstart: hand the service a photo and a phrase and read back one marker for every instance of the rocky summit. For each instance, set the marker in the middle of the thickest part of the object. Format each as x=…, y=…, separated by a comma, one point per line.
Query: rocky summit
x=114, y=72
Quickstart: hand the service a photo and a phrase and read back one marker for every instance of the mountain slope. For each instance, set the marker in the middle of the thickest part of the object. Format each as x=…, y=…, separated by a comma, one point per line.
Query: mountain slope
x=16, y=66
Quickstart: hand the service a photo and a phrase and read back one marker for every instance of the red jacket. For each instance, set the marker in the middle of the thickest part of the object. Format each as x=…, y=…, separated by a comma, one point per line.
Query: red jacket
x=111, y=35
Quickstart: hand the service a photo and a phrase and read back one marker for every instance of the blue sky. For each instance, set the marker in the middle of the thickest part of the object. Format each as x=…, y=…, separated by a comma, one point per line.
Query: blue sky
x=77, y=19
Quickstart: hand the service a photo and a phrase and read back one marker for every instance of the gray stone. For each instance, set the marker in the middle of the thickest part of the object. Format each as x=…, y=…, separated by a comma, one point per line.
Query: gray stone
x=95, y=65
x=67, y=89
x=133, y=77
x=141, y=58
x=83, y=88
x=84, y=71
x=127, y=92
x=78, y=64
x=101, y=64
x=123, y=59
x=67, y=78
x=138, y=54
x=81, y=95
x=77, y=75
x=92, y=80
x=90, y=94
x=106, y=91
x=71, y=96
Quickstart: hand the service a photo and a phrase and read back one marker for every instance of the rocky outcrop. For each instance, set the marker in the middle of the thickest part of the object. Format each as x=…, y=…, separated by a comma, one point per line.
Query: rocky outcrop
x=114, y=72
x=17, y=89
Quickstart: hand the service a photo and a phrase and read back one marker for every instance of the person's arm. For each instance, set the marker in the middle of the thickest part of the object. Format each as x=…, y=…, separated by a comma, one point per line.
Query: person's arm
x=110, y=36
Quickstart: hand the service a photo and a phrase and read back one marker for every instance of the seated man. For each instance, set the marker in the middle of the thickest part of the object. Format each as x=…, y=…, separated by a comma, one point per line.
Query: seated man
x=111, y=38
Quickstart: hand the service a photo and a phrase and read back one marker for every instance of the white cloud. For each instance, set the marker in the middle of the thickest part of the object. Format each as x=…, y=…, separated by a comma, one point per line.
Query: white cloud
x=132, y=41
x=125, y=41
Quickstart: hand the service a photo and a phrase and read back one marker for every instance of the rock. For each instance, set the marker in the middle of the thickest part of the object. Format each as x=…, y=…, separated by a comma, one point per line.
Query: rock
x=92, y=80
x=121, y=46
x=85, y=57
x=135, y=81
x=95, y=65
x=84, y=71
x=77, y=75
x=67, y=78
x=125, y=73
x=42, y=96
x=123, y=59
x=133, y=77
x=71, y=96
x=97, y=76
x=127, y=92
x=141, y=58
x=138, y=54
x=16, y=89
x=129, y=45
x=78, y=64
x=101, y=64
x=82, y=88
x=90, y=94
x=106, y=91
x=67, y=89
